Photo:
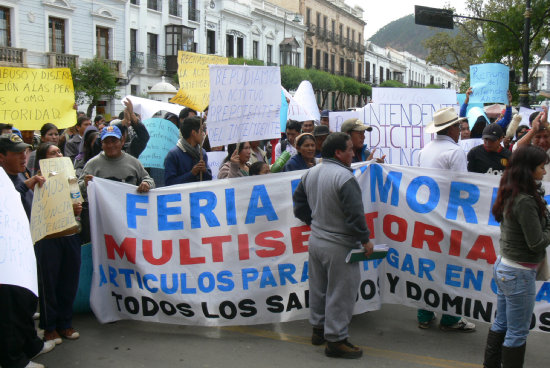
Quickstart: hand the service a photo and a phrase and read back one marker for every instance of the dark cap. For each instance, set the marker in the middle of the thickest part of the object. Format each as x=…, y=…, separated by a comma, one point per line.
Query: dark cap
x=492, y=132
x=13, y=143
x=324, y=113
x=320, y=130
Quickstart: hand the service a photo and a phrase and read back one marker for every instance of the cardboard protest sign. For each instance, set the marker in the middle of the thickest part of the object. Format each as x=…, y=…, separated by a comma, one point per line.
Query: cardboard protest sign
x=398, y=117
x=31, y=97
x=52, y=209
x=231, y=252
x=146, y=108
x=215, y=161
x=163, y=136
x=245, y=104
x=57, y=165
x=17, y=259
x=489, y=83
x=194, y=79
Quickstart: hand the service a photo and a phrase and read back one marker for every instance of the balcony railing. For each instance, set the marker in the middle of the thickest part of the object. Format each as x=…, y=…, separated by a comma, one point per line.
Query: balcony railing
x=174, y=8
x=136, y=60
x=114, y=65
x=156, y=62
x=194, y=15
x=331, y=36
x=10, y=56
x=311, y=29
x=321, y=32
x=56, y=60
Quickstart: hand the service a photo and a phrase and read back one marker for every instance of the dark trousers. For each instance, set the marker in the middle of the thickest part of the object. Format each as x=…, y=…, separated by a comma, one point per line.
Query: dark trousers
x=59, y=266
x=18, y=339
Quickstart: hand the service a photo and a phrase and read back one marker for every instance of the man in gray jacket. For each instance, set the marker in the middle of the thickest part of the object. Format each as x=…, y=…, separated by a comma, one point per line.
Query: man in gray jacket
x=328, y=199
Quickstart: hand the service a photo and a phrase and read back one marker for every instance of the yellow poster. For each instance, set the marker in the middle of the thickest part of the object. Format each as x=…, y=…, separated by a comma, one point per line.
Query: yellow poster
x=57, y=165
x=52, y=209
x=194, y=79
x=31, y=97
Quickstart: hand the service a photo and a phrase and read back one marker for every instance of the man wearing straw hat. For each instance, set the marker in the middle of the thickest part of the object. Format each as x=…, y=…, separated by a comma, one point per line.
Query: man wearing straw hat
x=443, y=152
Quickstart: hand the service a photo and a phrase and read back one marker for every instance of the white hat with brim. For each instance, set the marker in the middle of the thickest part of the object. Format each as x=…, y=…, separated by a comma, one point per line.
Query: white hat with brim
x=443, y=118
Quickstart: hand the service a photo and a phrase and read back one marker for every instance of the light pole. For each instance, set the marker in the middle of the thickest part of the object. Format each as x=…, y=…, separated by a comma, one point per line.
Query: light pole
x=443, y=18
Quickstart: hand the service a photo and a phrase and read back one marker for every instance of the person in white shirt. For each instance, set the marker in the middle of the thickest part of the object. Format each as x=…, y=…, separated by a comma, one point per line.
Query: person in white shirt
x=293, y=128
x=444, y=153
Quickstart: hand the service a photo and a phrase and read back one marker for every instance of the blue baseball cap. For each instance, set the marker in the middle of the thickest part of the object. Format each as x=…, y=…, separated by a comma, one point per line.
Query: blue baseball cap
x=111, y=131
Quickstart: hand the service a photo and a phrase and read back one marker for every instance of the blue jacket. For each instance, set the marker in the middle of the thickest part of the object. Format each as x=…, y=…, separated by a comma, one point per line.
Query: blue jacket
x=365, y=153
x=296, y=162
x=506, y=119
x=178, y=165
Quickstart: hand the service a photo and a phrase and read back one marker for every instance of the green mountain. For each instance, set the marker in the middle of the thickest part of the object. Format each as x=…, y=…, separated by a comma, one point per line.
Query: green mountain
x=403, y=34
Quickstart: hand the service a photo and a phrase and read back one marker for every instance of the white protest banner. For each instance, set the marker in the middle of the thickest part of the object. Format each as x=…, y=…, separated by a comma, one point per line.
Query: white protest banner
x=468, y=144
x=17, y=259
x=489, y=83
x=245, y=104
x=52, y=208
x=336, y=118
x=303, y=106
x=215, y=161
x=146, y=108
x=230, y=252
x=398, y=117
x=525, y=113
x=163, y=136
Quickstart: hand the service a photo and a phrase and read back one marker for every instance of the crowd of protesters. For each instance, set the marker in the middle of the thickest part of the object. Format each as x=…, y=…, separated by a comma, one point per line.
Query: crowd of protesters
x=110, y=150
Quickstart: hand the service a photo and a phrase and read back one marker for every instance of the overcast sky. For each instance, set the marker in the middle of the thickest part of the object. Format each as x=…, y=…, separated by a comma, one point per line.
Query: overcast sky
x=378, y=13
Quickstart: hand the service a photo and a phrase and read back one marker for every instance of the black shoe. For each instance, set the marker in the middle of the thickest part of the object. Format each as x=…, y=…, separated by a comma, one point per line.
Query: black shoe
x=343, y=349
x=318, y=336
x=513, y=357
x=493, y=349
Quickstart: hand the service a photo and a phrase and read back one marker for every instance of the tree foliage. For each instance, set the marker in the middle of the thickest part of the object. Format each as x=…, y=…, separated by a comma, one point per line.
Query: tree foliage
x=393, y=84
x=243, y=61
x=482, y=42
x=93, y=80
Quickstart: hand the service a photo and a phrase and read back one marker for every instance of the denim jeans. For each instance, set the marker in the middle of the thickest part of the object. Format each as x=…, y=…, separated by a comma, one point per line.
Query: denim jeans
x=515, y=302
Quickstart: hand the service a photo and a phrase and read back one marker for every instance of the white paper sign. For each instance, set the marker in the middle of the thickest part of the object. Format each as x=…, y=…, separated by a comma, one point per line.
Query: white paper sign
x=245, y=103
x=146, y=108
x=303, y=106
x=215, y=161
x=17, y=259
x=525, y=113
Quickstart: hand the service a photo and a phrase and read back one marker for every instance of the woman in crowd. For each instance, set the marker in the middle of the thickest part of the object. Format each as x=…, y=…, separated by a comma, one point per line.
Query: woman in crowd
x=48, y=133
x=305, y=158
x=88, y=149
x=234, y=164
x=58, y=260
x=525, y=233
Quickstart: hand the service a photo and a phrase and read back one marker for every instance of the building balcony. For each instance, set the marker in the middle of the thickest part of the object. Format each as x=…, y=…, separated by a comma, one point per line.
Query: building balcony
x=331, y=36
x=156, y=62
x=56, y=60
x=194, y=15
x=321, y=33
x=10, y=56
x=116, y=66
x=310, y=30
x=136, y=60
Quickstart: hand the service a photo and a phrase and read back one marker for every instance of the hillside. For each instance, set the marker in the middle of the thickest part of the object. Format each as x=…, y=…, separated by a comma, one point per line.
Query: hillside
x=403, y=34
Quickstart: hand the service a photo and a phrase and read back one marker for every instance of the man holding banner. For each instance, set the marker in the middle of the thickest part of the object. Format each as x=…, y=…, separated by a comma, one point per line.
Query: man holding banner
x=328, y=198
x=444, y=153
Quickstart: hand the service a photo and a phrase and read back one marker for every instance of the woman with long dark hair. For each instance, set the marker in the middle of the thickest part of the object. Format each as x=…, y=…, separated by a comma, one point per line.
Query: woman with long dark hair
x=524, y=235
x=48, y=133
x=235, y=164
x=58, y=259
x=305, y=158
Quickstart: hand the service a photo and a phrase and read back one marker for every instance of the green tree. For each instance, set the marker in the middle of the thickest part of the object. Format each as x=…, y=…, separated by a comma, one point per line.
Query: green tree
x=322, y=82
x=292, y=76
x=93, y=81
x=242, y=61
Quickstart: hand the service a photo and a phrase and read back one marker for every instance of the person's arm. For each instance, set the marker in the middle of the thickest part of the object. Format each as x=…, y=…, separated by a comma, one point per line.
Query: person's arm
x=139, y=143
x=536, y=237
x=301, y=208
x=507, y=118
x=354, y=213
x=464, y=107
x=458, y=161
x=527, y=137
x=277, y=151
x=171, y=168
x=206, y=175
x=471, y=160
x=145, y=182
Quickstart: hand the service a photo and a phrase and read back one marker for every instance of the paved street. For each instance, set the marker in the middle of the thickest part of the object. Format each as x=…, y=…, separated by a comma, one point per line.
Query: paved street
x=390, y=338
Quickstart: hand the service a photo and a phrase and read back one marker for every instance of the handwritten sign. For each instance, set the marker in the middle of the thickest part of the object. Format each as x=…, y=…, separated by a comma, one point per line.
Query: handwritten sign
x=194, y=79
x=215, y=161
x=17, y=259
x=57, y=165
x=163, y=136
x=489, y=83
x=31, y=97
x=245, y=104
x=52, y=208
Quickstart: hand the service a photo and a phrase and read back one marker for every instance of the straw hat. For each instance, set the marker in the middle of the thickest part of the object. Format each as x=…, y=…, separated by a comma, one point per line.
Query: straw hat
x=443, y=118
